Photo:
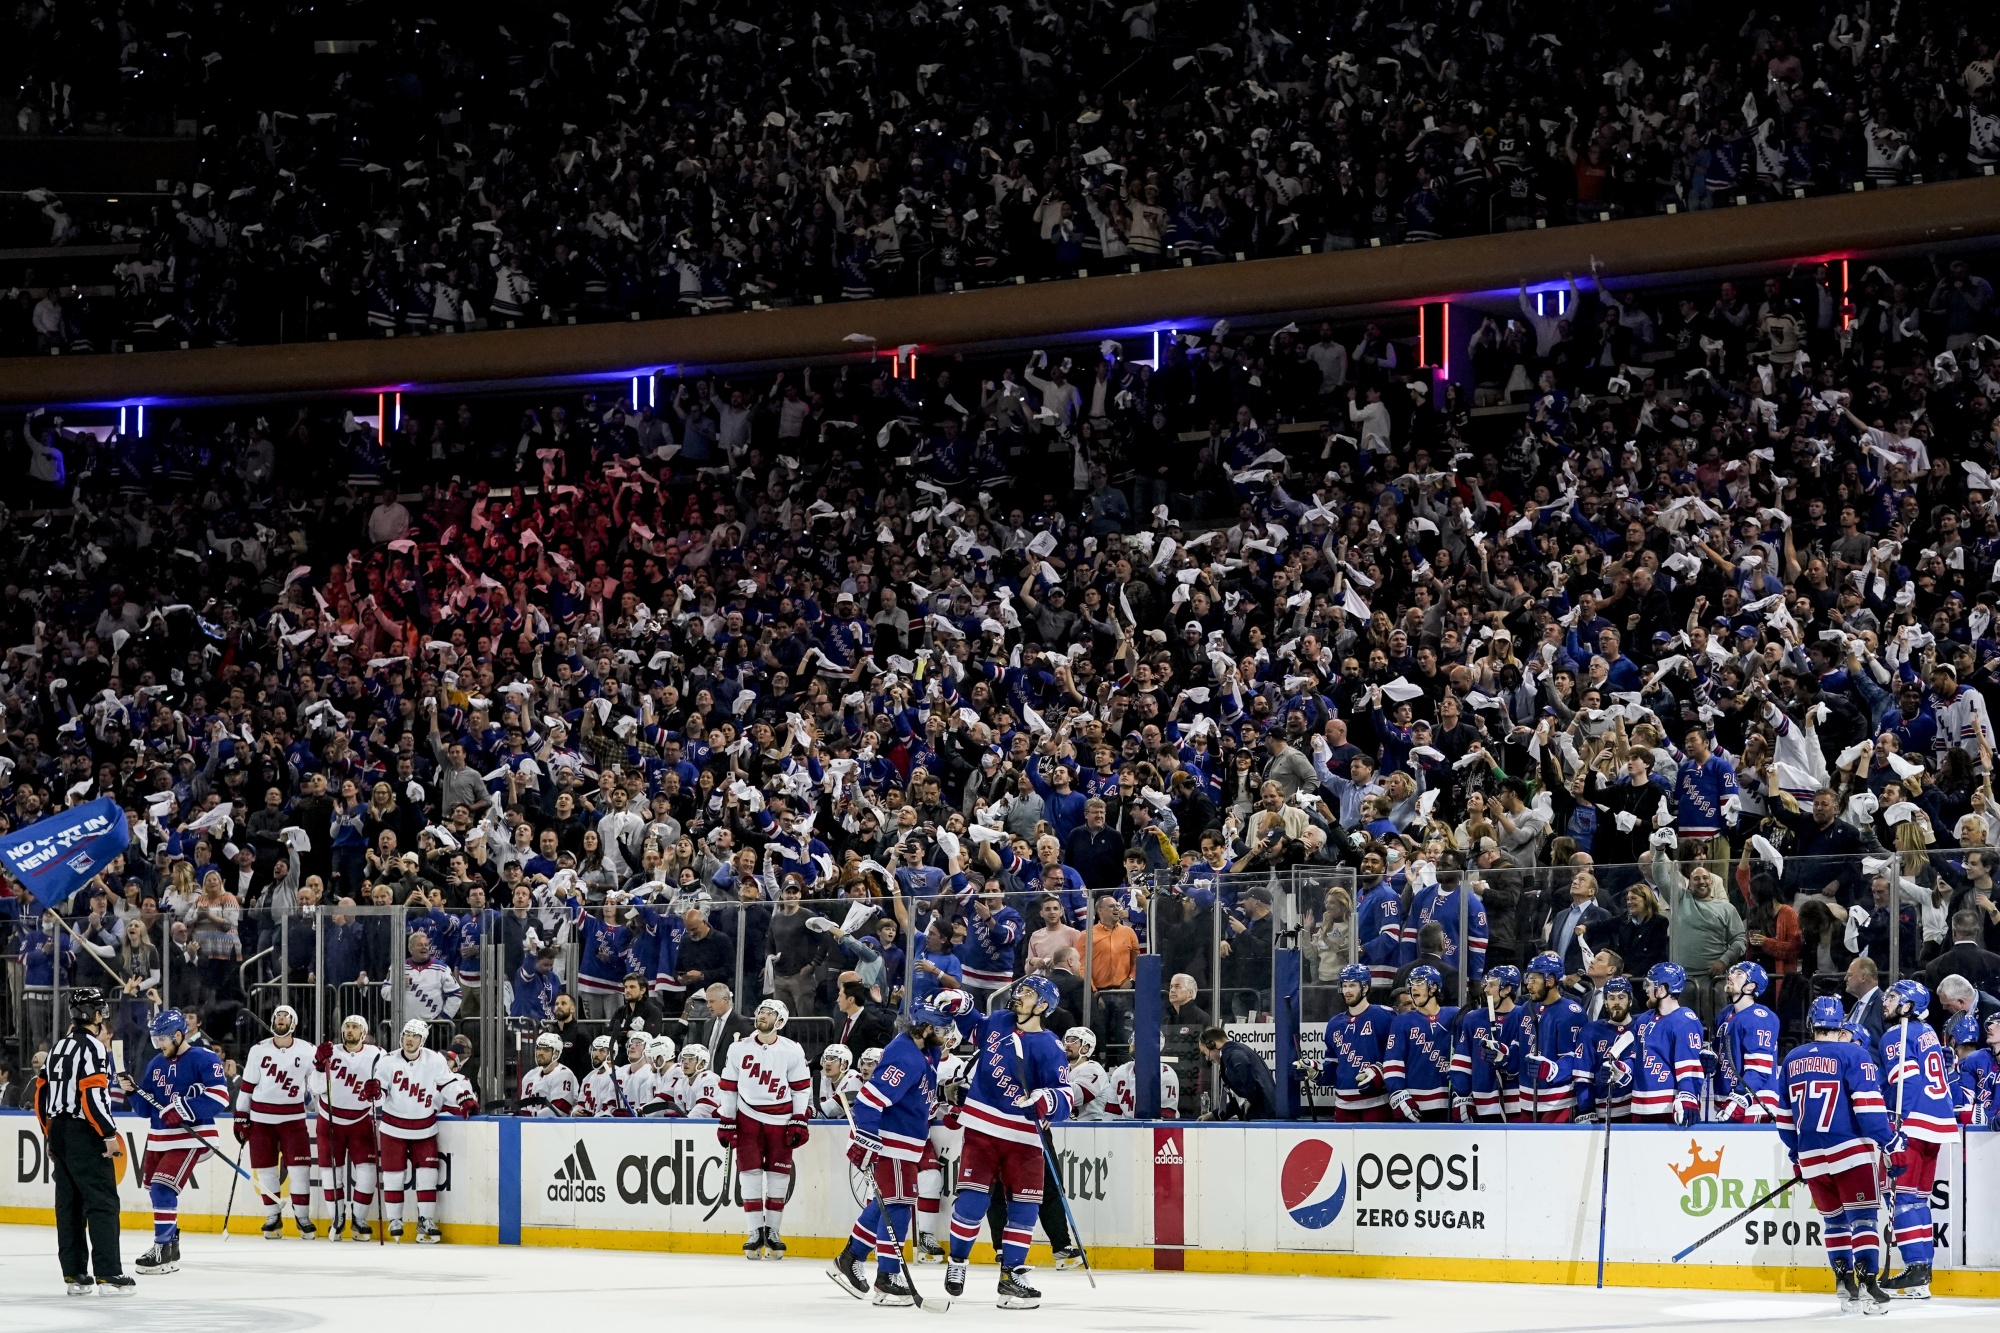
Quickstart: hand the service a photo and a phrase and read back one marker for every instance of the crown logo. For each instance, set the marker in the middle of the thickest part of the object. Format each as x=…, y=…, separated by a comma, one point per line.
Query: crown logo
x=1697, y=1165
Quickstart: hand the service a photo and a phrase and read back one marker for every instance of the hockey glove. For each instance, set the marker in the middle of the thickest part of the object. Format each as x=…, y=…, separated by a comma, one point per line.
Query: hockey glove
x=725, y=1134
x=1620, y=1073
x=323, y=1056
x=1041, y=1103
x=1895, y=1144
x=1461, y=1110
x=1547, y=1071
x=243, y=1127
x=371, y=1091
x=1687, y=1109
x=953, y=1093
x=1405, y=1104
x=172, y=1115
x=796, y=1134
x=863, y=1150
x=1496, y=1054
x=1367, y=1074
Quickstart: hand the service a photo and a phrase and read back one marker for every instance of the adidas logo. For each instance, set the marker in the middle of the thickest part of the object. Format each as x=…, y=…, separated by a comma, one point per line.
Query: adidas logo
x=576, y=1180
x=1168, y=1154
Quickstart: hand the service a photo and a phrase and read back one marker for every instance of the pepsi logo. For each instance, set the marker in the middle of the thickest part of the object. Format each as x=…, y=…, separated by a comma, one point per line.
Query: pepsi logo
x=1314, y=1190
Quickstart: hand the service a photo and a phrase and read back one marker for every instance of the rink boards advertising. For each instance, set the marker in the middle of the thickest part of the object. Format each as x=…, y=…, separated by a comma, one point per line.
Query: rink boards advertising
x=1431, y=1201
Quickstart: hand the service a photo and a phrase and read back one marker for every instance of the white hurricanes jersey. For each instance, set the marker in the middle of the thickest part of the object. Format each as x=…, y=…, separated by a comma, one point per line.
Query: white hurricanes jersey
x=636, y=1082
x=703, y=1096
x=830, y=1105
x=456, y=1097
x=276, y=1081
x=602, y=1093
x=765, y=1081
x=556, y=1085
x=347, y=1073
x=1093, y=1091
x=947, y=1137
x=411, y=1093
x=1125, y=1091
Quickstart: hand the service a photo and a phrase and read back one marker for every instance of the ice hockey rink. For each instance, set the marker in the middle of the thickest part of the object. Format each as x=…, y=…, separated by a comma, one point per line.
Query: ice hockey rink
x=248, y=1285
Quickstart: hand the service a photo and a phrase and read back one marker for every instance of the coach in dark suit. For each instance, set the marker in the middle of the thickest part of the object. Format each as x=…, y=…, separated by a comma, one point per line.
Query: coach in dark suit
x=722, y=1028
x=861, y=1022
x=1864, y=989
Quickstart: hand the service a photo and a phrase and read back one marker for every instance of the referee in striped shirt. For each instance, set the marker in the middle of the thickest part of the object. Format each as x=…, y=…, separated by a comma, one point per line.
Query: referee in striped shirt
x=73, y=1104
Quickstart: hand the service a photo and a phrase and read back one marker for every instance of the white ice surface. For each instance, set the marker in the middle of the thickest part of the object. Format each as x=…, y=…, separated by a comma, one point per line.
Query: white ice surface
x=249, y=1285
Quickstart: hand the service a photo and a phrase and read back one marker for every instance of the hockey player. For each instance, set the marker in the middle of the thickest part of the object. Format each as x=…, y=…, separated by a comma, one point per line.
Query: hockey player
x=1547, y=1051
x=1835, y=1125
x=1610, y=1072
x=1378, y=928
x=1666, y=1068
x=891, y=1133
x=1976, y=1080
x=347, y=1086
x=603, y=1094
x=1019, y=1080
x=413, y=1080
x=548, y=1087
x=1746, y=1048
x=664, y=1080
x=1353, y=1063
x=1087, y=1079
x=271, y=1119
x=1416, y=1057
x=635, y=1078
x=1125, y=1097
x=838, y=1083
x=865, y=1065
x=1917, y=1093
x=765, y=1087
x=184, y=1091
x=701, y=1092
x=1479, y=1088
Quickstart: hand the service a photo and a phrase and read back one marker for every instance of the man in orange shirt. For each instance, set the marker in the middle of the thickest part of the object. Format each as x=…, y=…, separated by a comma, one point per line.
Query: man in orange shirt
x=1114, y=963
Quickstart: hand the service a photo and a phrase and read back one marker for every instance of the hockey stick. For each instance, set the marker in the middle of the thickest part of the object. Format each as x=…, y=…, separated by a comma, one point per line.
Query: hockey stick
x=1055, y=1172
x=1618, y=1048
x=381, y=1159
x=231, y=1206
x=200, y=1142
x=1738, y=1218
x=906, y=1257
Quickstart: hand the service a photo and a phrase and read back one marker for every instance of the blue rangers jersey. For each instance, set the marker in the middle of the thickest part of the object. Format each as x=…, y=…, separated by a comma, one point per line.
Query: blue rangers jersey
x=1917, y=1087
x=1830, y=1110
x=1012, y=1065
x=1353, y=1063
x=1699, y=791
x=1472, y=1074
x=894, y=1106
x=1417, y=1058
x=1976, y=1088
x=193, y=1088
x=1378, y=931
x=1600, y=1037
x=1440, y=904
x=987, y=955
x=1669, y=1062
x=1552, y=1060
x=1746, y=1052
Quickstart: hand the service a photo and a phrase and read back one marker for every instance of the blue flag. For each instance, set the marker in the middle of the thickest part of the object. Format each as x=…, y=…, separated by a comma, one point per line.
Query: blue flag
x=54, y=857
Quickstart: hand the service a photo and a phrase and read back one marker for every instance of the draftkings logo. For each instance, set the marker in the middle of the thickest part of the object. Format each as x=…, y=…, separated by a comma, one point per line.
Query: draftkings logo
x=576, y=1180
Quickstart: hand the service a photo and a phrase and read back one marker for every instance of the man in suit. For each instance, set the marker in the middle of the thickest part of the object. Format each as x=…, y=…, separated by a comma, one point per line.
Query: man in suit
x=1965, y=957
x=861, y=1022
x=1864, y=988
x=1574, y=922
x=723, y=1027
x=1243, y=1072
x=1066, y=970
x=12, y=1089
x=1181, y=1024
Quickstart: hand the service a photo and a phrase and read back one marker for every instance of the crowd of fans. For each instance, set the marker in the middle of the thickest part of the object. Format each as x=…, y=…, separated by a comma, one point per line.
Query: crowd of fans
x=1681, y=652
x=516, y=165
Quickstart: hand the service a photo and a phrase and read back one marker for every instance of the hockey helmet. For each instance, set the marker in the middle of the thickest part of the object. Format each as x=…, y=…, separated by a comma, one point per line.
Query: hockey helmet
x=837, y=1051
x=549, y=1041
x=1620, y=985
x=1670, y=975
x=417, y=1027
x=1547, y=963
x=1427, y=974
x=1827, y=1014
x=1916, y=996
x=1356, y=972
x=1042, y=990
x=1506, y=976
x=659, y=1048
x=1962, y=1031
x=285, y=1011
x=1085, y=1039
x=777, y=1007
x=1754, y=974
x=600, y=1044
x=169, y=1023
x=694, y=1050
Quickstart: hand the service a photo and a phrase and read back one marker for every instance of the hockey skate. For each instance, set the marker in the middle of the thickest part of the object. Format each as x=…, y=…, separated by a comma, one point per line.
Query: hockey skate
x=336, y=1227
x=427, y=1232
x=396, y=1229
x=773, y=1247
x=845, y=1270
x=307, y=1231
x=274, y=1229
x=1068, y=1257
x=753, y=1248
x=1015, y=1293
x=893, y=1289
x=1845, y=1287
x=1874, y=1301
x=79, y=1286
x=362, y=1231
x=160, y=1259
x=928, y=1251
x=954, y=1279
x=121, y=1285
x=1912, y=1284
